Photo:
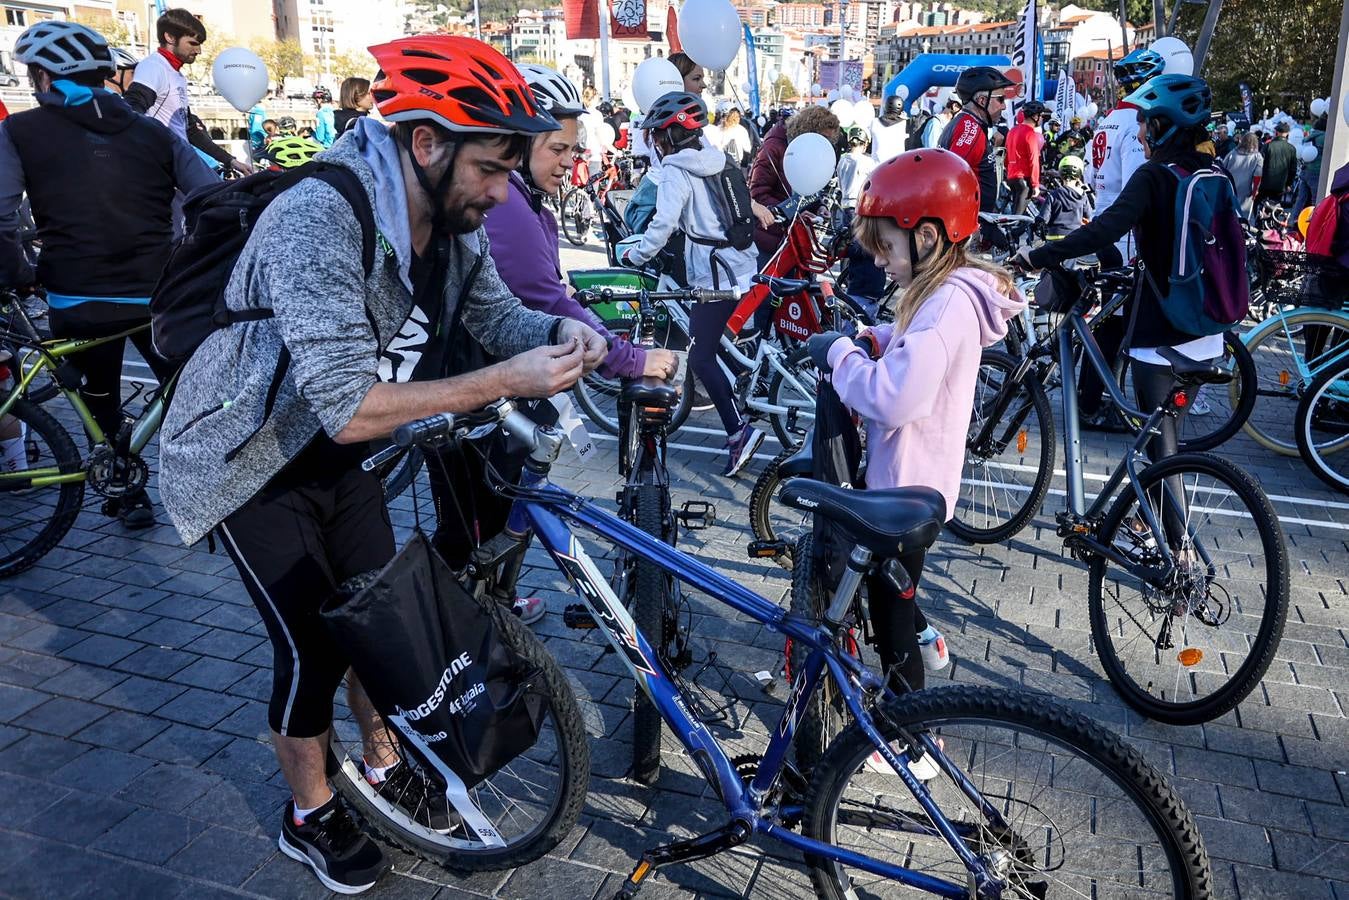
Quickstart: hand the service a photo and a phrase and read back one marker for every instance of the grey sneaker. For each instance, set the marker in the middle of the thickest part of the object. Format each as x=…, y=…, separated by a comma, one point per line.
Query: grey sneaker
x=741, y=448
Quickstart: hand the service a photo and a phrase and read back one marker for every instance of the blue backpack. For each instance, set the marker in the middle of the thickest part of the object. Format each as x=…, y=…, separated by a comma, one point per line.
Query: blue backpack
x=1210, y=288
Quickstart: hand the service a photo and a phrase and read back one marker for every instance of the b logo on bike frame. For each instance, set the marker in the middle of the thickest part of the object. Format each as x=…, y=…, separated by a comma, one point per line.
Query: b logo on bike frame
x=604, y=605
x=797, y=317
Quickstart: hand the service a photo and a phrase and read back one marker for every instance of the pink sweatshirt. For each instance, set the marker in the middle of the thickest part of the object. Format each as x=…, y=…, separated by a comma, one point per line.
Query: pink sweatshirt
x=919, y=396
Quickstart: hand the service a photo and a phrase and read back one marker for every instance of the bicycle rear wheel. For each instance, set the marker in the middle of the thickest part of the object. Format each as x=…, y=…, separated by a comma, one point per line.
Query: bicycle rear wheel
x=34, y=516
x=1005, y=477
x=532, y=802
x=577, y=216
x=1188, y=649
x=649, y=602
x=1283, y=348
x=772, y=521
x=1075, y=812
x=1323, y=427
x=598, y=397
x=1229, y=405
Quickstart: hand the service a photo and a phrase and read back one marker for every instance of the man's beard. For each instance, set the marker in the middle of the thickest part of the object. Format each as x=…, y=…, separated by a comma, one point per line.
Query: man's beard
x=464, y=220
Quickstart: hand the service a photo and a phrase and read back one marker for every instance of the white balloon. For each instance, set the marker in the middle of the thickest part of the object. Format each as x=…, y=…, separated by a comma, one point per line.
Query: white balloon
x=809, y=163
x=630, y=101
x=653, y=79
x=1092, y=109
x=1307, y=152
x=1319, y=107
x=1296, y=136
x=822, y=102
x=1081, y=112
x=1179, y=60
x=816, y=90
x=604, y=135
x=831, y=96
x=744, y=87
x=710, y=31
x=842, y=110
x=863, y=113
x=240, y=77
x=902, y=92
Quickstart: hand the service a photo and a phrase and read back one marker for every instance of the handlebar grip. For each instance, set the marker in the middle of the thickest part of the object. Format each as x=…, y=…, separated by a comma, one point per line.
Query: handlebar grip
x=424, y=430
x=705, y=296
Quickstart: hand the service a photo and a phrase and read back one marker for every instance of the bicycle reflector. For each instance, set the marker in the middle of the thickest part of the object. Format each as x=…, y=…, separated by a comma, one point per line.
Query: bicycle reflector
x=1284, y=378
x=1181, y=399
x=1190, y=656
x=1021, y=441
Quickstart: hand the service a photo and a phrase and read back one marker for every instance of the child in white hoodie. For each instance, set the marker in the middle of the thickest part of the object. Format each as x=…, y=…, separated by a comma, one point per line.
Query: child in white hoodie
x=684, y=202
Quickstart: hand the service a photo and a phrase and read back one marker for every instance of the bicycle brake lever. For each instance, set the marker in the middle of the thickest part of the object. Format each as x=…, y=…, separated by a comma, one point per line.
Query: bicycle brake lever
x=381, y=458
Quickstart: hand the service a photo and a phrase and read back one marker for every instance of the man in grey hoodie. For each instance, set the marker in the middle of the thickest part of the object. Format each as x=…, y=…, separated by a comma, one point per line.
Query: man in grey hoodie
x=285, y=491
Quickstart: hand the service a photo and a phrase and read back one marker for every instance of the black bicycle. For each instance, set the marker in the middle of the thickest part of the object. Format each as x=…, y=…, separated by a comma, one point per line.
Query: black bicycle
x=1187, y=562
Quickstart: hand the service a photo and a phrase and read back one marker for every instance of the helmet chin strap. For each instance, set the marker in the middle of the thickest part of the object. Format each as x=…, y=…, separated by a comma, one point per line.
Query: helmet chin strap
x=435, y=193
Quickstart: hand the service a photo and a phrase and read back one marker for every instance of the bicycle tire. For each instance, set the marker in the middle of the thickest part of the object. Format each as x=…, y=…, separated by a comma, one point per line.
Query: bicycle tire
x=1316, y=455
x=790, y=427
x=1258, y=514
x=825, y=715
x=572, y=748
x=573, y=225
x=761, y=500
x=648, y=601
x=978, y=488
x=69, y=497
x=591, y=388
x=1275, y=350
x=1027, y=717
x=1241, y=394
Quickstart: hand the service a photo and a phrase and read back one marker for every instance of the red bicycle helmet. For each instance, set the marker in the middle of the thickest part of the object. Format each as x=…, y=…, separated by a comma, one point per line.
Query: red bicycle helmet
x=457, y=82
x=677, y=109
x=924, y=184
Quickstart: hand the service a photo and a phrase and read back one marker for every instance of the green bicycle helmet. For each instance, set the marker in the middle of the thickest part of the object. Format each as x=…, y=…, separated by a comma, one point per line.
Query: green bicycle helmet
x=1072, y=166
x=1180, y=101
x=292, y=152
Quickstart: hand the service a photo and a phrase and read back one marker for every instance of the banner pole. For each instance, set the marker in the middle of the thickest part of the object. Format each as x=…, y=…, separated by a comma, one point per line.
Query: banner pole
x=604, y=48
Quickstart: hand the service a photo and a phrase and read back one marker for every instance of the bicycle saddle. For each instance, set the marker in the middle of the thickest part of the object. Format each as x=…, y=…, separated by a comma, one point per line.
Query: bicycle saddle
x=1194, y=370
x=783, y=287
x=800, y=464
x=889, y=523
x=651, y=392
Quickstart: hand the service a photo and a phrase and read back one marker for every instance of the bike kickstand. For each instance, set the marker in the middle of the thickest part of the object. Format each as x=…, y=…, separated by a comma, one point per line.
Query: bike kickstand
x=732, y=834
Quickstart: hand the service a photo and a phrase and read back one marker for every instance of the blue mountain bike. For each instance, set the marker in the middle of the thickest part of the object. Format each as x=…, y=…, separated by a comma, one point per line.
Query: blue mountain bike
x=957, y=792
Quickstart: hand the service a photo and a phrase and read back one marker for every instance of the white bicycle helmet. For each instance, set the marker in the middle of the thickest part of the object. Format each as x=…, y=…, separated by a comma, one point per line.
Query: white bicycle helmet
x=64, y=48
x=552, y=90
x=123, y=60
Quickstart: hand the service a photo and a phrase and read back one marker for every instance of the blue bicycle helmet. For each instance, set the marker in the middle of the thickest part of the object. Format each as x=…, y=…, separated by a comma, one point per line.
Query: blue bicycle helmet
x=1139, y=66
x=1182, y=101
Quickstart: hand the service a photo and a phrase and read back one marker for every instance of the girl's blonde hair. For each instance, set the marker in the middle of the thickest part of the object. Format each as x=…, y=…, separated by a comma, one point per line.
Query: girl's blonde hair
x=931, y=273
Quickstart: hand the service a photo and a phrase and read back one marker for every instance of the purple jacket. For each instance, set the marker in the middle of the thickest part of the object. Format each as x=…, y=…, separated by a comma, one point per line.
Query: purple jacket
x=525, y=249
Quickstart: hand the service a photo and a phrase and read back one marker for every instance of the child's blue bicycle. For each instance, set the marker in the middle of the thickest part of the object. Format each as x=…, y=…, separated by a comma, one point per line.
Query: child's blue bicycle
x=957, y=792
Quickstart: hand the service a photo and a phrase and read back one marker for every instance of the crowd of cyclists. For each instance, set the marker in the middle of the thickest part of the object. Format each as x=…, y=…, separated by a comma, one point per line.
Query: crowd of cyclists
x=464, y=300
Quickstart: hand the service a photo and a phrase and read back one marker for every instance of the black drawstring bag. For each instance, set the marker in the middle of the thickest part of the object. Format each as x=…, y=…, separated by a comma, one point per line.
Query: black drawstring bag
x=836, y=456
x=432, y=659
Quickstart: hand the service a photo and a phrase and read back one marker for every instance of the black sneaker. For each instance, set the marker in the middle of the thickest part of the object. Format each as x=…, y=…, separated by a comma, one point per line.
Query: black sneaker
x=419, y=797
x=136, y=512
x=343, y=858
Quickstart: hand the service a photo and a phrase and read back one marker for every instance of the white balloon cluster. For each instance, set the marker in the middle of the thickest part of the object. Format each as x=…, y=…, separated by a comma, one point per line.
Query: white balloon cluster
x=711, y=32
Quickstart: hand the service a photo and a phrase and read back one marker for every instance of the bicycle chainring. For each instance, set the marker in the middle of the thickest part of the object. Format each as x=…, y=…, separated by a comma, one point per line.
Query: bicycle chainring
x=113, y=476
x=790, y=788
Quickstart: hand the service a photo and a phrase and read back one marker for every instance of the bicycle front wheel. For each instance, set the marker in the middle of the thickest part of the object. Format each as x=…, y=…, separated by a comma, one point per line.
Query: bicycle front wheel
x=825, y=714
x=532, y=802
x=1069, y=809
x=1288, y=351
x=576, y=216
x=1323, y=427
x=649, y=600
x=35, y=515
x=598, y=397
x=1006, y=475
x=794, y=392
x=1191, y=642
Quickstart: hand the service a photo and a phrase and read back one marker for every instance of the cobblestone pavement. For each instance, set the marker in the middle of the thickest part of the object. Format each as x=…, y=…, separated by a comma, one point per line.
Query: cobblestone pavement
x=134, y=673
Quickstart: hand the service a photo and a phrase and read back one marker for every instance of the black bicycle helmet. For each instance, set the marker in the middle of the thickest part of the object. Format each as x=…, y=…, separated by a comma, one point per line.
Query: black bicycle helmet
x=894, y=106
x=980, y=79
x=1034, y=108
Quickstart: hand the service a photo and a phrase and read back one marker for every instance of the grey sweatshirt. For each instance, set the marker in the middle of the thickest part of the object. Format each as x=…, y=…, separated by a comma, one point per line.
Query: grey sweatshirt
x=303, y=260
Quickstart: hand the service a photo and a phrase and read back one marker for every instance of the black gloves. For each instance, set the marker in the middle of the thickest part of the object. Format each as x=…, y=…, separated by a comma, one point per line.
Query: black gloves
x=817, y=345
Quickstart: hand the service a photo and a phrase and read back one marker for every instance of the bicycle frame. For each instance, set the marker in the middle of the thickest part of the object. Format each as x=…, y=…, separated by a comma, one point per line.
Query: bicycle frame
x=48, y=357
x=1308, y=369
x=548, y=513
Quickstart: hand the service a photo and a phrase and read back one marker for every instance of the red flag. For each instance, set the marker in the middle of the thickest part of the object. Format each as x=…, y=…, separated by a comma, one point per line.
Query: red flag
x=672, y=30
x=583, y=21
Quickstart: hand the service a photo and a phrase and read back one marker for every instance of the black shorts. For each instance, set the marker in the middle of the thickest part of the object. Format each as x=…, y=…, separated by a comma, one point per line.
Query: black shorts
x=319, y=522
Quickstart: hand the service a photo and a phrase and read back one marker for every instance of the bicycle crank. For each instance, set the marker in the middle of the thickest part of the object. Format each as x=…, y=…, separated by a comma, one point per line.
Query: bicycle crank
x=113, y=476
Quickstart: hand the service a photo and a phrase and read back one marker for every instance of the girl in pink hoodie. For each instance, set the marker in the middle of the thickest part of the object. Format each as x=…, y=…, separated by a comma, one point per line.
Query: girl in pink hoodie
x=913, y=381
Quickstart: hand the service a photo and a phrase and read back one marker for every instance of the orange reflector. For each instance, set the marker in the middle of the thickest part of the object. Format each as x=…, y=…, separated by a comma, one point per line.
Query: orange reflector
x=1284, y=378
x=1021, y=441
x=640, y=872
x=1190, y=656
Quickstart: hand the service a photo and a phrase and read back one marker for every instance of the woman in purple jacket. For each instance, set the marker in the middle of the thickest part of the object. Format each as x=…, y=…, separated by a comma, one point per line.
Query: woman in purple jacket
x=523, y=232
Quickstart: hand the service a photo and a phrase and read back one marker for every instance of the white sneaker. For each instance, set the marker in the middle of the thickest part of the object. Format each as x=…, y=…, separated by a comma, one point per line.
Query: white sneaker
x=924, y=769
x=530, y=609
x=933, y=647
x=14, y=452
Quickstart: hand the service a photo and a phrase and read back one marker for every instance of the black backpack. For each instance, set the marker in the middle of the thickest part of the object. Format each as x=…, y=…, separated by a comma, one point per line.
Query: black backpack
x=915, y=139
x=189, y=301
x=730, y=198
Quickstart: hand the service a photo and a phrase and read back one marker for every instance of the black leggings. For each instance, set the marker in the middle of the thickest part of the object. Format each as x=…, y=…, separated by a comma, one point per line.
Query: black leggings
x=1020, y=189
x=897, y=622
x=102, y=365
x=1152, y=385
x=707, y=323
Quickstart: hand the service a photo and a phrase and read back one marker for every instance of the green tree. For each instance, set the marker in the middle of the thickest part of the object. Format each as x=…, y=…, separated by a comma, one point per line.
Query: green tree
x=282, y=58
x=114, y=30
x=784, y=89
x=348, y=64
x=1286, y=52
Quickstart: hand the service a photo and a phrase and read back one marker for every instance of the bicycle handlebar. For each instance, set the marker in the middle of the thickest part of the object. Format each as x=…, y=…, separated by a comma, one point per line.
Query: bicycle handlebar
x=590, y=296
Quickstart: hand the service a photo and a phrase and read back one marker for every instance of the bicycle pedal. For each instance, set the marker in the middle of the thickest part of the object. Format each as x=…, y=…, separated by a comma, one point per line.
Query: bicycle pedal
x=696, y=515
x=766, y=549
x=576, y=615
